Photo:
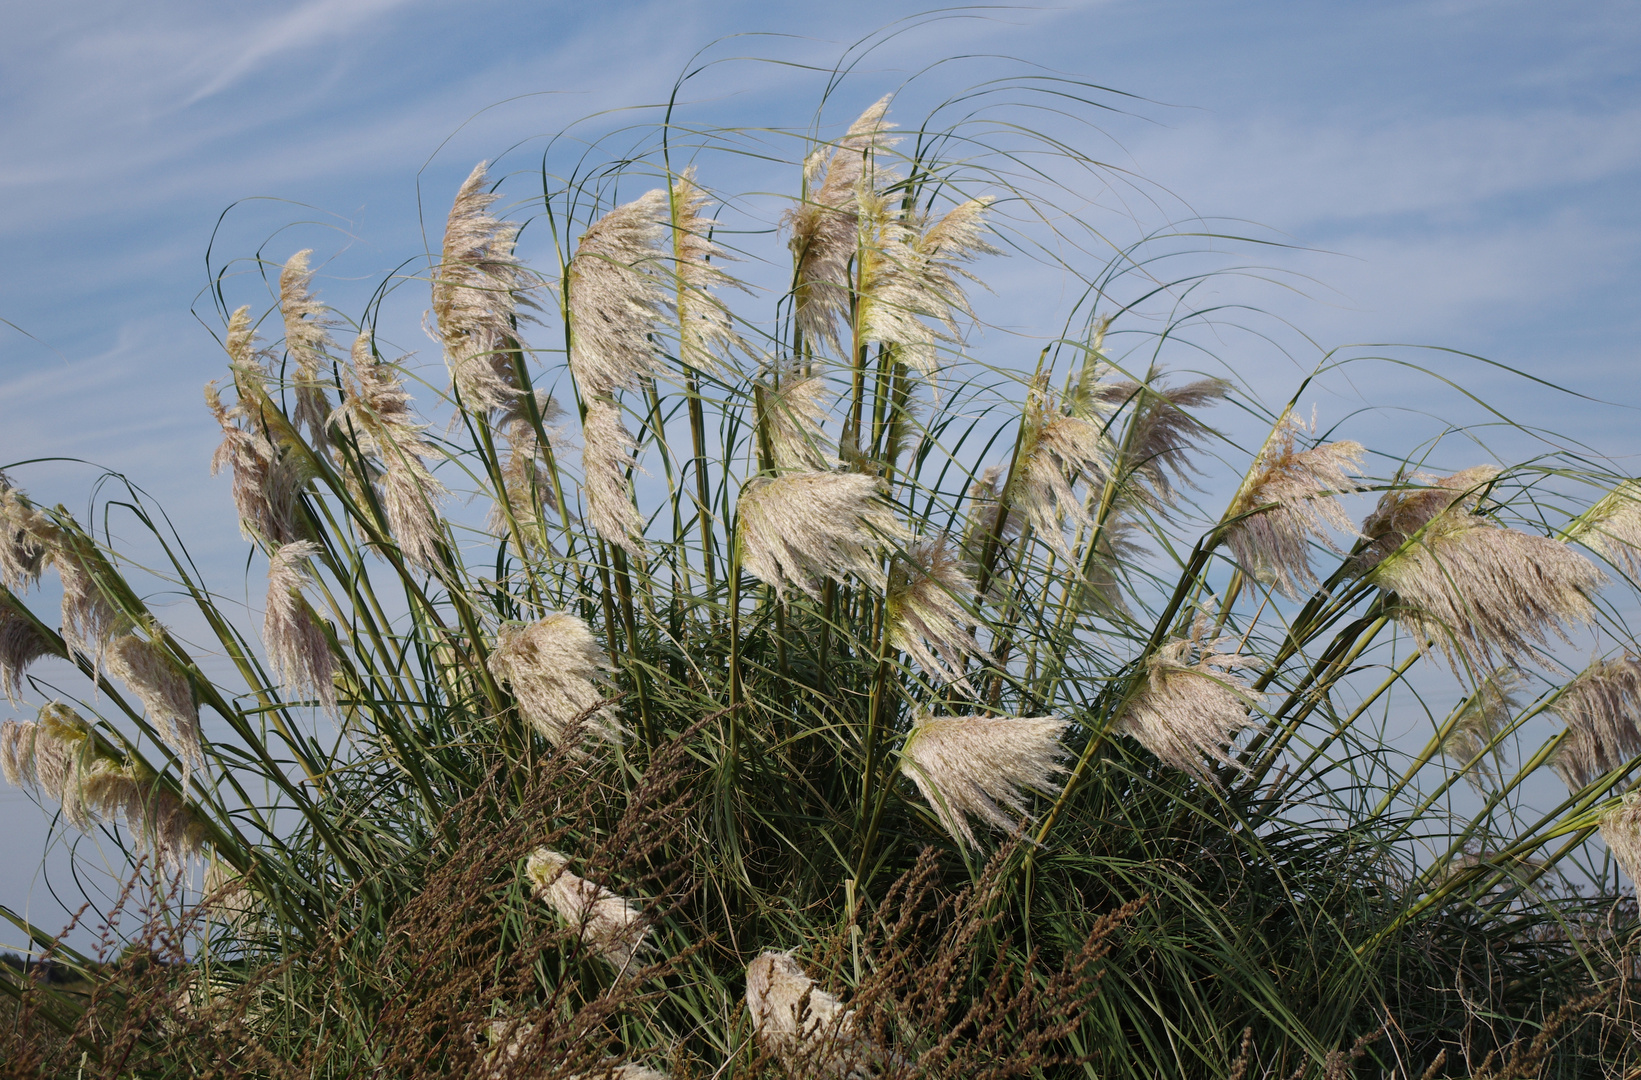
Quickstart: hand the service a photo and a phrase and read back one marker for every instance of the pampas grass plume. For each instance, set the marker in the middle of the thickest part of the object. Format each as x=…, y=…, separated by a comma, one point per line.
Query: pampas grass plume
x=801, y=528
x=613, y=926
x=1287, y=500
x=981, y=766
x=296, y=642
x=615, y=296
x=1190, y=709
x=1602, y=710
x=553, y=665
x=930, y=592
x=803, y=1025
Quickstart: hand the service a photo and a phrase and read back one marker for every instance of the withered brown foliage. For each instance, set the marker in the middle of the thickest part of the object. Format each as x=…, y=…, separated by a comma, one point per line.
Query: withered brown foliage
x=943, y=994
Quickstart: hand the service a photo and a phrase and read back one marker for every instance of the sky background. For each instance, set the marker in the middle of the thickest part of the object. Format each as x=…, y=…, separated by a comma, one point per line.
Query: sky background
x=1457, y=174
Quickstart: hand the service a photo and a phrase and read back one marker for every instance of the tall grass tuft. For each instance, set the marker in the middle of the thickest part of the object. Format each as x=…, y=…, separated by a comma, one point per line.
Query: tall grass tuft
x=736, y=670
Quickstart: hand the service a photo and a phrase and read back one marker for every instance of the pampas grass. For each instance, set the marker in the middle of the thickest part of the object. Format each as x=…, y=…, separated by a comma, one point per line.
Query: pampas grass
x=866, y=627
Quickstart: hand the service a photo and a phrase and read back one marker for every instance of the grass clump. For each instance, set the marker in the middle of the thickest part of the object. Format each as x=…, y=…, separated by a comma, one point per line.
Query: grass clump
x=749, y=678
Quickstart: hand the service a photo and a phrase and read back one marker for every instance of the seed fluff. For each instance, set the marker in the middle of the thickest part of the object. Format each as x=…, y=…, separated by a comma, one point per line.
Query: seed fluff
x=801, y=528
x=981, y=766
x=553, y=666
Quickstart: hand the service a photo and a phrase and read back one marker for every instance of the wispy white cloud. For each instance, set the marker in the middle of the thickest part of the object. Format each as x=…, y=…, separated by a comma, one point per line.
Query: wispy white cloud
x=314, y=22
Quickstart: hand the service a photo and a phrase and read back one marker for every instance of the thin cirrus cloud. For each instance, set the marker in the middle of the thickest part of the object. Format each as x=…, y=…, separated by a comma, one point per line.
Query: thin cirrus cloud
x=315, y=21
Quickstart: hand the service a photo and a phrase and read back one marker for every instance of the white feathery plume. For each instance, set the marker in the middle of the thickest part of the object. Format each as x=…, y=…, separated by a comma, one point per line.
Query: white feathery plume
x=825, y=229
x=1161, y=433
x=377, y=411
x=607, y=453
x=90, y=621
x=308, y=342
x=1602, y=710
x=1187, y=711
x=1288, y=499
x=1612, y=527
x=1403, y=512
x=57, y=756
x=1480, y=719
x=1621, y=832
x=1480, y=591
x=928, y=600
x=553, y=666
x=803, y=1025
x=24, y=532
x=793, y=413
x=911, y=275
x=978, y=765
x=297, y=647
x=526, y=482
x=154, y=676
x=478, y=289
x=21, y=643
x=614, y=927
x=1057, y=454
x=704, y=329
x=267, y=479
x=616, y=298
x=803, y=527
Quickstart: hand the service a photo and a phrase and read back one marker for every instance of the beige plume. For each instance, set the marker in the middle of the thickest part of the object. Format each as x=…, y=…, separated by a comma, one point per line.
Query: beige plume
x=1612, y=527
x=21, y=643
x=930, y=594
x=24, y=532
x=1287, y=500
x=553, y=666
x=479, y=288
x=1480, y=591
x=616, y=298
x=58, y=757
x=1480, y=719
x=909, y=273
x=793, y=414
x=612, y=926
x=1602, y=710
x=527, y=483
x=376, y=410
x=297, y=646
x=1621, y=832
x=982, y=766
x=825, y=229
x=807, y=1028
x=608, y=452
x=308, y=342
x=1058, y=454
x=704, y=329
x=1192, y=703
x=802, y=528
x=150, y=672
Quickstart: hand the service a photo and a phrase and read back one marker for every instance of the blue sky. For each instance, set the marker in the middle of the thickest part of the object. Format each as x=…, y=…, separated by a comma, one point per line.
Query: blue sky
x=1459, y=174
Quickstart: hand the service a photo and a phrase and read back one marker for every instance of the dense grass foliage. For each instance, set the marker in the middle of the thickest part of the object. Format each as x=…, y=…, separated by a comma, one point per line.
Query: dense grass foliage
x=749, y=669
